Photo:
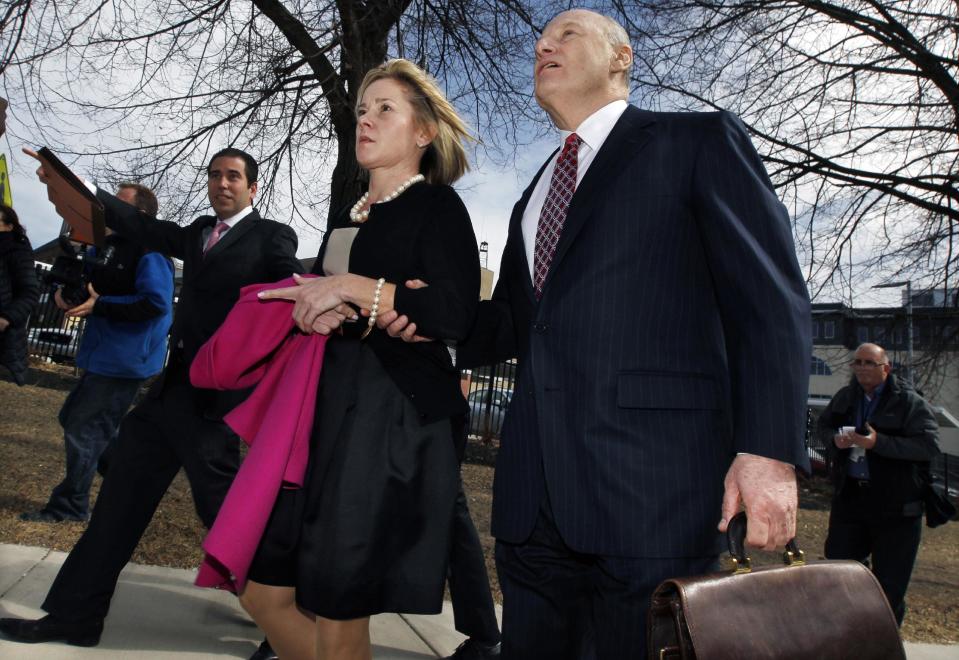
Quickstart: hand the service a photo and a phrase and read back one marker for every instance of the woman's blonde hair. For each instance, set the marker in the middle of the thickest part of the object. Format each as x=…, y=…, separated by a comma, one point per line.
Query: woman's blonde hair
x=445, y=159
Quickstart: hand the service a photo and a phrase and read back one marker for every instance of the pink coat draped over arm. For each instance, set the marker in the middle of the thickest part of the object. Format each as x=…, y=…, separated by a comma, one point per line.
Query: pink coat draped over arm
x=257, y=345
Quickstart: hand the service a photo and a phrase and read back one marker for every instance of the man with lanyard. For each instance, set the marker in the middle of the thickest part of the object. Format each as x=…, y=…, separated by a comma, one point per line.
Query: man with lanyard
x=881, y=436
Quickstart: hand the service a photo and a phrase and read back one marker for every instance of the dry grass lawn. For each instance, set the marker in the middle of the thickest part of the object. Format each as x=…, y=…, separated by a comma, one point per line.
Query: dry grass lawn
x=31, y=456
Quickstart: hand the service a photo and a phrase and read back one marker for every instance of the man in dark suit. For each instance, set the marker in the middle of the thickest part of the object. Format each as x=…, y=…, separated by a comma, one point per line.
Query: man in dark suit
x=474, y=614
x=650, y=289
x=178, y=425
x=881, y=436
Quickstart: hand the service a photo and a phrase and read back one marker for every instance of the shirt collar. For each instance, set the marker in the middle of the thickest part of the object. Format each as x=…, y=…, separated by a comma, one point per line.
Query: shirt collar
x=876, y=392
x=233, y=219
x=594, y=130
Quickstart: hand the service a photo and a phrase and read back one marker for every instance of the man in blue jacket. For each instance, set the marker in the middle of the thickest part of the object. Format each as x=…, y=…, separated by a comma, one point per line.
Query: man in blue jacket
x=128, y=316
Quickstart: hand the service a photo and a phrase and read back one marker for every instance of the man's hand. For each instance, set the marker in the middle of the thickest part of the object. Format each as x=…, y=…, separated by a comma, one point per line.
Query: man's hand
x=329, y=321
x=864, y=441
x=86, y=307
x=767, y=489
x=4, y=324
x=41, y=173
x=58, y=299
x=853, y=439
x=399, y=326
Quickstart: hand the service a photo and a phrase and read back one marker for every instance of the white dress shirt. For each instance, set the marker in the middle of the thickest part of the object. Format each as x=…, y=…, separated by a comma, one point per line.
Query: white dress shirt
x=232, y=220
x=593, y=132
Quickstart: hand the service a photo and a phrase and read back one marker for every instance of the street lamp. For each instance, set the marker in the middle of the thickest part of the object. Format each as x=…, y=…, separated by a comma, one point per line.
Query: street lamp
x=908, y=285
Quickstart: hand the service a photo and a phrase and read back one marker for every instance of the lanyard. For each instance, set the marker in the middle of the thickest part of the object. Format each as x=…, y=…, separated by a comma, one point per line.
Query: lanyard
x=865, y=409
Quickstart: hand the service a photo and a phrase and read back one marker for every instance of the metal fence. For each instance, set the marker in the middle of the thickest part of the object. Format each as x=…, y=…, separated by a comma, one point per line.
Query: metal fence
x=488, y=390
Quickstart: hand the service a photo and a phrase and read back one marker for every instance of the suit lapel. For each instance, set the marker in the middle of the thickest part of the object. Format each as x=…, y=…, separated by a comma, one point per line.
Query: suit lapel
x=629, y=136
x=193, y=250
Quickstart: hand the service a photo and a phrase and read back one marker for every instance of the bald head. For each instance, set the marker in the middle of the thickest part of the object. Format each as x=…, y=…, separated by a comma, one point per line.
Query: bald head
x=873, y=349
x=582, y=64
x=618, y=38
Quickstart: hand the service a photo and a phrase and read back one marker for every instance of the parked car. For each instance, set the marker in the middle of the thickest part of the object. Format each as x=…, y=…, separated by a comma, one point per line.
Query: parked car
x=487, y=410
x=58, y=344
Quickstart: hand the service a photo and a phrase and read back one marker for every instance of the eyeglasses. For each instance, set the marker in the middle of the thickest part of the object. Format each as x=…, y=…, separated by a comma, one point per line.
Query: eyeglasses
x=872, y=364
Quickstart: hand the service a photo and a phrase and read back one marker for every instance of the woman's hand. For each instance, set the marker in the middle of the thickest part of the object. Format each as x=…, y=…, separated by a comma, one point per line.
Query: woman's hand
x=312, y=298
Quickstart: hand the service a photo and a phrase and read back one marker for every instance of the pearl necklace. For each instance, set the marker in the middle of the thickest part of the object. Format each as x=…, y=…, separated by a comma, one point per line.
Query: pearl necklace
x=356, y=215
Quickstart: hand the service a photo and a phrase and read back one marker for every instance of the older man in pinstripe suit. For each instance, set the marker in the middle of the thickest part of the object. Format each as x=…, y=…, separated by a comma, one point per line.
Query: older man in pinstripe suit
x=650, y=288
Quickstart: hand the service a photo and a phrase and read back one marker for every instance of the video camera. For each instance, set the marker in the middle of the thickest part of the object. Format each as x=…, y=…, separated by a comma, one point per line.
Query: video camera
x=72, y=271
x=81, y=209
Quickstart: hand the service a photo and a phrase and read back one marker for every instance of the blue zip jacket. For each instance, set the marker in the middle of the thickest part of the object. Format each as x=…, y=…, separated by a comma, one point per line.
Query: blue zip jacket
x=114, y=346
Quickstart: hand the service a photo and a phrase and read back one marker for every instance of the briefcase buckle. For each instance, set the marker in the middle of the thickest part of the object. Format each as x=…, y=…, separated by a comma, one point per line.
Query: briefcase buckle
x=794, y=557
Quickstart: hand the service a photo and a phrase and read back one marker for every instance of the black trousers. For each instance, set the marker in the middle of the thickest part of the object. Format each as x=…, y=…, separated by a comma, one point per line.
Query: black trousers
x=473, y=612
x=559, y=604
x=859, y=531
x=156, y=439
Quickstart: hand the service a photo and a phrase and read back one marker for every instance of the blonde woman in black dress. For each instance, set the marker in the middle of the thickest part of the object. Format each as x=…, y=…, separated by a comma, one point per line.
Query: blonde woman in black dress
x=370, y=530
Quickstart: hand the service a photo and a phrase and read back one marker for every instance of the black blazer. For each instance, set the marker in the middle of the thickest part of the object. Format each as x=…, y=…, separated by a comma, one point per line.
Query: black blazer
x=426, y=234
x=254, y=250
x=907, y=440
x=673, y=332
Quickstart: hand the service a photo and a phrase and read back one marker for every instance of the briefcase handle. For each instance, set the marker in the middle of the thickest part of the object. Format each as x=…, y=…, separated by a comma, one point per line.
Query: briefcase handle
x=736, y=542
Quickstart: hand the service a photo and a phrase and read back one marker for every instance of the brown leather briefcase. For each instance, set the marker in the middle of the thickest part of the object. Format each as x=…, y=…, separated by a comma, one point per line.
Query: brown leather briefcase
x=821, y=610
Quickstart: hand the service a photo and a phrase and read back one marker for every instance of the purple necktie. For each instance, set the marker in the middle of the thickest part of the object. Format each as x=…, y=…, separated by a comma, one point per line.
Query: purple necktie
x=220, y=228
x=551, y=218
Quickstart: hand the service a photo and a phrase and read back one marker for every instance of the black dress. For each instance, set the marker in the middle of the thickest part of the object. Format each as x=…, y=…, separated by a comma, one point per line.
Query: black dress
x=370, y=530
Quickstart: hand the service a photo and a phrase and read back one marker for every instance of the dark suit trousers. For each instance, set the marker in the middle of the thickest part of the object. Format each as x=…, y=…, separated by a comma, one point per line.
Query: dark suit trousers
x=559, y=604
x=157, y=438
x=857, y=530
x=473, y=612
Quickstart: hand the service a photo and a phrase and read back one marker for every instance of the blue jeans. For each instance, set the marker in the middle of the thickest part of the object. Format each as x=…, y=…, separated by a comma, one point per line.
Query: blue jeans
x=90, y=418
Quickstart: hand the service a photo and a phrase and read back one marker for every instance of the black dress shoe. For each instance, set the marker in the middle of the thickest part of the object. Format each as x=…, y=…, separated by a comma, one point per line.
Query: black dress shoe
x=41, y=516
x=265, y=652
x=473, y=649
x=51, y=629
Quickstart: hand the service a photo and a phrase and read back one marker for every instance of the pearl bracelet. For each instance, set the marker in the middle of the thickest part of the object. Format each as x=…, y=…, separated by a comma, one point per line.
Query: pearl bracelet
x=375, y=307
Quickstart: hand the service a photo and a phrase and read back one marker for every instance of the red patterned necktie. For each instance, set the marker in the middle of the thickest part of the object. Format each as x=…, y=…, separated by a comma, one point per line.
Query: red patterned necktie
x=220, y=228
x=551, y=218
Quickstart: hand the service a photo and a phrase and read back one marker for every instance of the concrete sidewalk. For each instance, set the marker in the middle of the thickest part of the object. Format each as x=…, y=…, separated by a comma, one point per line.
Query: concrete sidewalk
x=157, y=613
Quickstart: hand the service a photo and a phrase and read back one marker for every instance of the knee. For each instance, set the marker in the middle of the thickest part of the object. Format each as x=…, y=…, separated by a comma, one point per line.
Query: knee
x=253, y=605
x=262, y=601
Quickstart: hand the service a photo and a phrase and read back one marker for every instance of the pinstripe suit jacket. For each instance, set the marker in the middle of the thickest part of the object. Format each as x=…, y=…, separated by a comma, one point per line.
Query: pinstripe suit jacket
x=673, y=331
